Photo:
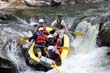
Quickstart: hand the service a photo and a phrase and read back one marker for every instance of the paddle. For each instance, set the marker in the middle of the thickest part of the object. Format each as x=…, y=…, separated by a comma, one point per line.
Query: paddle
x=26, y=38
x=67, y=30
x=19, y=41
x=59, y=70
x=23, y=40
x=77, y=33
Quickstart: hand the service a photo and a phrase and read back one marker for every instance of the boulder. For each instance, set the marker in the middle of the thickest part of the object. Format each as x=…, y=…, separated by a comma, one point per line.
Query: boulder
x=2, y=16
x=7, y=66
x=7, y=17
x=55, y=3
x=35, y=3
x=103, y=37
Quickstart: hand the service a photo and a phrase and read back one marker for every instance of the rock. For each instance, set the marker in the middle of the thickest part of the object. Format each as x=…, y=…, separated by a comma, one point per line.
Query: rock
x=3, y=4
x=55, y=3
x=7, y=17
x=7, y=66
x=41, y=3
x=5, y=0
x=103, y=37
x=2, y=16
x=34, y=3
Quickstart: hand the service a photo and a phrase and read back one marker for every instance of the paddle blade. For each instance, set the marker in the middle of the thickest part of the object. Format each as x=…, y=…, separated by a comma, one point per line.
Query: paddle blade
x=21, y=41
x=26, y=38
x=78, y=33
x=59, y=70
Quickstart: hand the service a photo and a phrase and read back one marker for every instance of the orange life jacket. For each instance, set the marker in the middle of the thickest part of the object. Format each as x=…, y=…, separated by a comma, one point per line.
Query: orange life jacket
x=58, y=51
x=41, y=40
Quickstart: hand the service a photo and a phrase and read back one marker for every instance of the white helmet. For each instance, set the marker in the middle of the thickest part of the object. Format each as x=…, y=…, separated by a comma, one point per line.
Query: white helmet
x=40, y=29
x=41, y=20
x=50, y=36
x=50, y=47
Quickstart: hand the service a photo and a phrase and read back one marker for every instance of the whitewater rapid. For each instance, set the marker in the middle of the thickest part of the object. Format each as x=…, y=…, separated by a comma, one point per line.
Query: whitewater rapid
x=85, y=56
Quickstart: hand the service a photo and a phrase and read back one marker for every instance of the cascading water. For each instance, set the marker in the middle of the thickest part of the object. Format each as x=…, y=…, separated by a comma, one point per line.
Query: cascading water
x=85, y=57
x=84, y=43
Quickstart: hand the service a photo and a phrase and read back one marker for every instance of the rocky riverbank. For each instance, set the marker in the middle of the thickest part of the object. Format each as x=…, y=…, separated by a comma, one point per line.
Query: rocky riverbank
x=23, y=4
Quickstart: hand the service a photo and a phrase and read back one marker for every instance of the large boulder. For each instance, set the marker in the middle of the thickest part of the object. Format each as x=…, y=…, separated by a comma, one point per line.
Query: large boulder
x=103, y=37
x=7, y=66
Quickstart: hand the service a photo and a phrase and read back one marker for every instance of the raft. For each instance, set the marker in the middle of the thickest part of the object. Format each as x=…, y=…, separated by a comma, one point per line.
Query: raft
x=46, y=64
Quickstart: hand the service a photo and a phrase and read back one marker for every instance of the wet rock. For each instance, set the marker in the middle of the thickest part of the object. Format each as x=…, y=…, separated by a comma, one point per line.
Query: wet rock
x=5, y=18
x=55, y=3
x=8, y=17
x=2, y=16
x=35, y=3
x=7, y=67
x=11, y=17
x=103, y=37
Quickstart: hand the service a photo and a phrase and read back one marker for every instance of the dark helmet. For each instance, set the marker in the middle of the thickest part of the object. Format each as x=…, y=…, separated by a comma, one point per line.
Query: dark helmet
x=60, y=15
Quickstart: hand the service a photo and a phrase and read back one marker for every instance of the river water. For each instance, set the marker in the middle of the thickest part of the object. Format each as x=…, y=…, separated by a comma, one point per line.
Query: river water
x=85, y=55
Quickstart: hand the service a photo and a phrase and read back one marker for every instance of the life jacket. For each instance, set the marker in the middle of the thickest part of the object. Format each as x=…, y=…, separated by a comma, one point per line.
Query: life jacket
x=58, y=51
x=44, y=27
x=59, y=25
x=41, y=40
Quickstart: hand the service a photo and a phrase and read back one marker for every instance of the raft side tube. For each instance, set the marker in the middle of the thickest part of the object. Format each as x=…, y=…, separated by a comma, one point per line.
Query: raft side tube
x=46, y=61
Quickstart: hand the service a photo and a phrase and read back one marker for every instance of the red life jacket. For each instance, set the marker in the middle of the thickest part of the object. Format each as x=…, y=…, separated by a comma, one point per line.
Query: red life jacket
x=41, y=40
x=44, y=27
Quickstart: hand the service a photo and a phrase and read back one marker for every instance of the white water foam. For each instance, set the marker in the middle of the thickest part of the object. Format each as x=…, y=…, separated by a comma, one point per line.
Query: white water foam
x=94, y=62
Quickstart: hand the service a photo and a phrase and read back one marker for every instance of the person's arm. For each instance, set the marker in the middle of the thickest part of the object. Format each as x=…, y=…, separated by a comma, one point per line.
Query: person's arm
x=63, y=23
x=33, y=37
x=53, y=24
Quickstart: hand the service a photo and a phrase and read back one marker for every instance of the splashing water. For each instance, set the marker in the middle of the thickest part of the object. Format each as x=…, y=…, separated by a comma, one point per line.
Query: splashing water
x=87, y=41
x=85, y=57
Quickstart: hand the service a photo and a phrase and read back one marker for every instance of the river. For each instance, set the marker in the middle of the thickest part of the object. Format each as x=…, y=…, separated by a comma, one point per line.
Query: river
x=85, y=55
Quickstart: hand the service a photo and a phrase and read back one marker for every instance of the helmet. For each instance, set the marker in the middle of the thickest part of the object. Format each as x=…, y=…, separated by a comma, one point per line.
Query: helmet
x=41, y=20
x=50, y=36
x=60, y=15
x=41, y=29
x=50, y=47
